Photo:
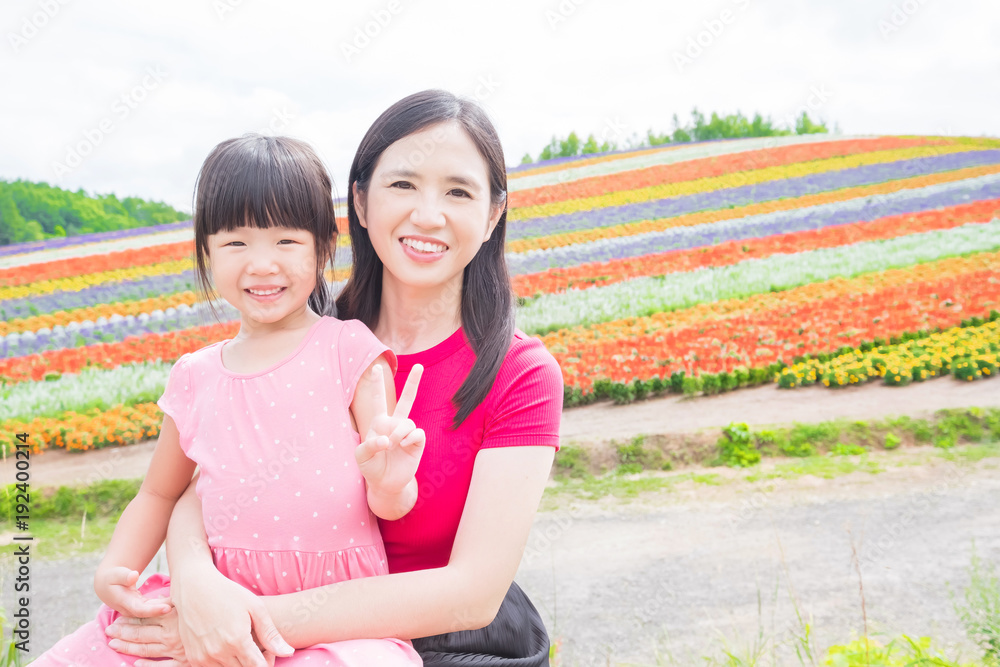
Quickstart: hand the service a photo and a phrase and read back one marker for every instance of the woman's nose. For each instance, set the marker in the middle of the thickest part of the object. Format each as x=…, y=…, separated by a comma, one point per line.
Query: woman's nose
x=428, y=213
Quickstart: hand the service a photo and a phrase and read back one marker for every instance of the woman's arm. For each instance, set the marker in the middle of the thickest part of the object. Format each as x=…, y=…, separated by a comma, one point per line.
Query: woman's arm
x=216, y=618
x=142, y=527
x=507, y=485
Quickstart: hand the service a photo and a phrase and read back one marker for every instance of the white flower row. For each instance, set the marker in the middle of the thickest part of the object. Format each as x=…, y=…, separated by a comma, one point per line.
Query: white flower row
x=646, y=296
x=670, y=155
x=91, y=388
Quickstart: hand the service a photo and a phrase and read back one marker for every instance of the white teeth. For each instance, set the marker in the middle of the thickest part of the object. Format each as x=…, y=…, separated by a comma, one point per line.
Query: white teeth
x=424, y=247
x=264, y=293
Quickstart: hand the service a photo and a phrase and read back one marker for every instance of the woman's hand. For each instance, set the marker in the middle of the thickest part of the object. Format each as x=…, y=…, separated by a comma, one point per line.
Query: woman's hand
x=116, y=587
x=221, y=624
x=391, y=451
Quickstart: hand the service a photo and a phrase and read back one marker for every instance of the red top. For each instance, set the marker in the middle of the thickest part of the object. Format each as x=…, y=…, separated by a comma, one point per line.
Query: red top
x=523, y=408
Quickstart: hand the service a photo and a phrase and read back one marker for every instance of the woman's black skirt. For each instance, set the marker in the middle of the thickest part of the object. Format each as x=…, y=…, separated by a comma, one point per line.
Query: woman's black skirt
x=516, y=638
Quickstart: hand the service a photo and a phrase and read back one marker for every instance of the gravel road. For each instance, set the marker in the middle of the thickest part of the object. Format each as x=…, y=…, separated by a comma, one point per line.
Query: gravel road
x=619, y=582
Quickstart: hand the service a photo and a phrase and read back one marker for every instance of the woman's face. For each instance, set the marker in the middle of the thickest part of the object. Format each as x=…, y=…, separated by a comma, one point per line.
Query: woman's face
x=428, y=209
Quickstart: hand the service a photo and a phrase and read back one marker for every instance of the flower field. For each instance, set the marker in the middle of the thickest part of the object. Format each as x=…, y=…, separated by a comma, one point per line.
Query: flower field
x=793, y=260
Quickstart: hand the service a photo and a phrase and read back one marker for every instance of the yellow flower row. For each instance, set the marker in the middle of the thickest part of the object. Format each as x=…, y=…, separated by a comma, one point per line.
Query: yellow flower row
x=914, y=360
x=737, y=179
x=77, y=283
x=661, y=224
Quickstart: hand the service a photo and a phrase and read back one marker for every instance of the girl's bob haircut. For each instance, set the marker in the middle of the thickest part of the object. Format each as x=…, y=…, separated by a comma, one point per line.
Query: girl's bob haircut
x=262, y=181
x=487, y=304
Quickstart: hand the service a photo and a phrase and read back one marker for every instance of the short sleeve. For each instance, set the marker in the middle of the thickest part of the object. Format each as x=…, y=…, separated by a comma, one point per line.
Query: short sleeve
x=178, y=394
x=528, y=407
x=357, y=348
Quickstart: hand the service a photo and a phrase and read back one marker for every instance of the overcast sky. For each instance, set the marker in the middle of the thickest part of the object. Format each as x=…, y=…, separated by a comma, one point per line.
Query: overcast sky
x=129, y=96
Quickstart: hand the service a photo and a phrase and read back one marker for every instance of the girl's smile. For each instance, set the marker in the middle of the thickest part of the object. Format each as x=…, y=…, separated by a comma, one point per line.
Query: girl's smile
x=266, y=274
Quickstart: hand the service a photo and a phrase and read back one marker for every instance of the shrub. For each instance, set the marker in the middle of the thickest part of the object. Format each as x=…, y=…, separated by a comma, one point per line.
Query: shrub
x=632, y=457
x=572, y=460
x=980, y=614
x=737, y=448
x=691, y=385
x=710, y=384
x=841, y=449
x=892, y=441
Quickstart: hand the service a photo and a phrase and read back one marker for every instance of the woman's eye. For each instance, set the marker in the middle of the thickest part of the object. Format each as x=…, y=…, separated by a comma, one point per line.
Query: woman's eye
x=403, y=185
x=460, y=193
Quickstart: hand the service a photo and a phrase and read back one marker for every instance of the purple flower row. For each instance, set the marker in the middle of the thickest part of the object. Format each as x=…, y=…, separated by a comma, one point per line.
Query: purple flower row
x=65, y=241
x=749, y=194
x=757, y=226
x=128, y=290
x=104, y=332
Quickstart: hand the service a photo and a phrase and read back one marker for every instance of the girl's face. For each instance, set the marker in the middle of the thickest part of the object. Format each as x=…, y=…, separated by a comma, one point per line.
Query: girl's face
x=266, y=274
x=428, y=208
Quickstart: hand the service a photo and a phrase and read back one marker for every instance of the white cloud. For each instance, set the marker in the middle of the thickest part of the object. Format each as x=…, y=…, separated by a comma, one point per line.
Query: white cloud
x=324, y=70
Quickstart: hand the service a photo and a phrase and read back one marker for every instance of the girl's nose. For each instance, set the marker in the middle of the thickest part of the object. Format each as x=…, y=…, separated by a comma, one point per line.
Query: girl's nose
x=262, y=263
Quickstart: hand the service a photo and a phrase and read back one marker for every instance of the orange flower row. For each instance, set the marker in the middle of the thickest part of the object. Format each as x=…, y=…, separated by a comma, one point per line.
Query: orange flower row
x=78, y=266
x=709, y=167
x=120, y=425
x=754, y=338
x=731, y=252
x=150, y=347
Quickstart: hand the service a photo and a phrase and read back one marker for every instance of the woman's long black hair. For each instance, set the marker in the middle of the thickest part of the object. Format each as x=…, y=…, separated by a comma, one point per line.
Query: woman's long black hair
x=487, y=306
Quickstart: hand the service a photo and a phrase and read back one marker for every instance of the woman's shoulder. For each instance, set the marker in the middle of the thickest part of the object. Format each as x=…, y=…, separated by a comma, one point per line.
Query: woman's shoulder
x=529, y=362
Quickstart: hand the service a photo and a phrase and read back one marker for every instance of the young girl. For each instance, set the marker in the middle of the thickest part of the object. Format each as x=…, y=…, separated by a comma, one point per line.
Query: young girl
x=427, y=211
x=272, y=418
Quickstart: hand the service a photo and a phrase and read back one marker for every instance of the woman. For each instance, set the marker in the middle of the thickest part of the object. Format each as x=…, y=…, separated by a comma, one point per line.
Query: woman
x=427, y=216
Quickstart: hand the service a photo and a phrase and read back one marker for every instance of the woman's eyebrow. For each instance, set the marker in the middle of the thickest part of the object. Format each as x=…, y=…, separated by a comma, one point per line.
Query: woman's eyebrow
x=401, y=173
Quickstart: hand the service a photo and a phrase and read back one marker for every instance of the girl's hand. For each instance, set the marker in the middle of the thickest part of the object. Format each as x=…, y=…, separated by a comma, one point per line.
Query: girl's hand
x=116, y=587
x=390, y=453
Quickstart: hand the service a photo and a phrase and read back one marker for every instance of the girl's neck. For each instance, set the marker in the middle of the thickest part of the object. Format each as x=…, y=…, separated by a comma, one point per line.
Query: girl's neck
x=299, y=320
x=413, y=319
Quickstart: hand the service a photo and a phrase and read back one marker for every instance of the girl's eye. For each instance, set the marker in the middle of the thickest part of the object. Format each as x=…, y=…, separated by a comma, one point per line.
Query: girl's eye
x=235, y=243
x=287, y=241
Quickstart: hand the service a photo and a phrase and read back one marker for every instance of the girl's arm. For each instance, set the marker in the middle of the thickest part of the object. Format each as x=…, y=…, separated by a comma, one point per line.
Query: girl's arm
x=507, y=485
x=142, y=527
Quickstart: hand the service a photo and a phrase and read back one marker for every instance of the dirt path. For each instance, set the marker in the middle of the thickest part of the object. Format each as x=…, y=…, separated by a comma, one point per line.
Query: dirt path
x=622, y=582
x=600, y=423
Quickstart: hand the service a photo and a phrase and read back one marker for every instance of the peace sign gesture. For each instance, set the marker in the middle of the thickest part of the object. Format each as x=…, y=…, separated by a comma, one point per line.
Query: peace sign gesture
x=390, y=453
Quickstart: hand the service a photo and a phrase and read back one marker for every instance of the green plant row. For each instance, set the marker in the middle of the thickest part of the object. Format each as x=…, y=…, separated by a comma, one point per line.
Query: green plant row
x=740, y=446
x=104, y=498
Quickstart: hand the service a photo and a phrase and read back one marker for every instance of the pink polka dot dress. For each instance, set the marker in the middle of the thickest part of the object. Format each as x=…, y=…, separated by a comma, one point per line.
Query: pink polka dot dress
x=284, y=503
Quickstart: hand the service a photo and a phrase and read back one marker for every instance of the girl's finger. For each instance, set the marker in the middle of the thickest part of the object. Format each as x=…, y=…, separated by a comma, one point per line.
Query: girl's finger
x=369, y=448
x=403, y=429
x=415, y=437
x=409, y=393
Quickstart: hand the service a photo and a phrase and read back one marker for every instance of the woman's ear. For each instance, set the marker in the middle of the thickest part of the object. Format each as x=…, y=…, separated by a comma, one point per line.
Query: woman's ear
x=495, y=213
x=359, y=204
